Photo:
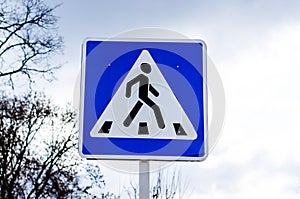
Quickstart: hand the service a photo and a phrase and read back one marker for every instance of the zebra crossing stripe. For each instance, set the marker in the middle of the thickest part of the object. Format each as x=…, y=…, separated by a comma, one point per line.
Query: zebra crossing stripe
x=106, y=127
x=179, y=129
x=143, y=128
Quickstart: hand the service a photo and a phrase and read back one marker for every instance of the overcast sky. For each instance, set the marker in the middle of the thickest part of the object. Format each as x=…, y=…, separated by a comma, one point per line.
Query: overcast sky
x=255, y=46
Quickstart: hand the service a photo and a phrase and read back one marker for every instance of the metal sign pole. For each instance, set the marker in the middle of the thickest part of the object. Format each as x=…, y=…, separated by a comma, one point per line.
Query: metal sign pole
x=144, y=180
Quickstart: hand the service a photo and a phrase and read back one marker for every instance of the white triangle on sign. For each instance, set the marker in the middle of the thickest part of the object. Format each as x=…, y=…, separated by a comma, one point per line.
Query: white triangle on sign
x=144, y=125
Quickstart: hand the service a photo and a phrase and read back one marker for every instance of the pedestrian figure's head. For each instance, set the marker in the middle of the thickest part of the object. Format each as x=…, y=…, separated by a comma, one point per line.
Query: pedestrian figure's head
x=146, y=68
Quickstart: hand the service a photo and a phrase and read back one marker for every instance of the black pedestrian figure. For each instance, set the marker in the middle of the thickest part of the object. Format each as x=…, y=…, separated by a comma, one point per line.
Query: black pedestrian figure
x=144, y=87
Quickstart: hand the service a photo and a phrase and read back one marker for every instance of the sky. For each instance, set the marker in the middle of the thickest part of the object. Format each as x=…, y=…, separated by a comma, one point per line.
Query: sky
x=255, y=47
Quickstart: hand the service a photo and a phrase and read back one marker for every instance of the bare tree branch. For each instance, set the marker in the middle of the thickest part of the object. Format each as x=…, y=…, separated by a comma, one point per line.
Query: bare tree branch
x=38, y=149
x=28, y=38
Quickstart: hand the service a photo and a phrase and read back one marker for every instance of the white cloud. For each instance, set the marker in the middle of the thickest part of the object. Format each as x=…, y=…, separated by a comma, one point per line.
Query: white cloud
x=257, y=155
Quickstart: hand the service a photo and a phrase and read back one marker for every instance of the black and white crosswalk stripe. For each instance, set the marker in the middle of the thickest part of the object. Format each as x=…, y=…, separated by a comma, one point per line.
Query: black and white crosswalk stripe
x=143, y=128
x=106, y=127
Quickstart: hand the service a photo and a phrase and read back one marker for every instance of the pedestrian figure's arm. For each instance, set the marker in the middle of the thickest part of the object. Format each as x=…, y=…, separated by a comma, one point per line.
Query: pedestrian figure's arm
x=130, y=84
x=153, y=91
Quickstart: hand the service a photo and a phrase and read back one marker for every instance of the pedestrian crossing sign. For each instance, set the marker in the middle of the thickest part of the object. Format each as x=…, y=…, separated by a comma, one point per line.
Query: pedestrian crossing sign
x=143, y=100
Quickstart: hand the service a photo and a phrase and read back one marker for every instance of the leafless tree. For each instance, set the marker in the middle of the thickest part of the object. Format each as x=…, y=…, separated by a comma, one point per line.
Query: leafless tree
x=170, y=186
x=38, y=149
x=28, y=38
x=166, y=186
x=38, y=141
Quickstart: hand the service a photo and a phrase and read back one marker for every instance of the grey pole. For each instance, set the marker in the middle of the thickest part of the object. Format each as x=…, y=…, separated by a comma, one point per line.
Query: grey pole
x=144, y=180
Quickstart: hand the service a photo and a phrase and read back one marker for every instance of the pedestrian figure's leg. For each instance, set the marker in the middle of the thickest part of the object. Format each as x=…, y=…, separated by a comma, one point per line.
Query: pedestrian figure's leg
x=157, y=112
x=158, y=116
x=132, y=113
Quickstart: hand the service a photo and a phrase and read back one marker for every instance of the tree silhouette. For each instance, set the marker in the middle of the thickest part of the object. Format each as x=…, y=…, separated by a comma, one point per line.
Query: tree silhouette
x=28, y=38
x=38, y=149
x=166, y=186
x=38, y=141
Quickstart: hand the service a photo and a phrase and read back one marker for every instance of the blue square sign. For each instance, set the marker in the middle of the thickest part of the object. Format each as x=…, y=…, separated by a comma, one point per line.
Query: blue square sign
x=143, y=99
